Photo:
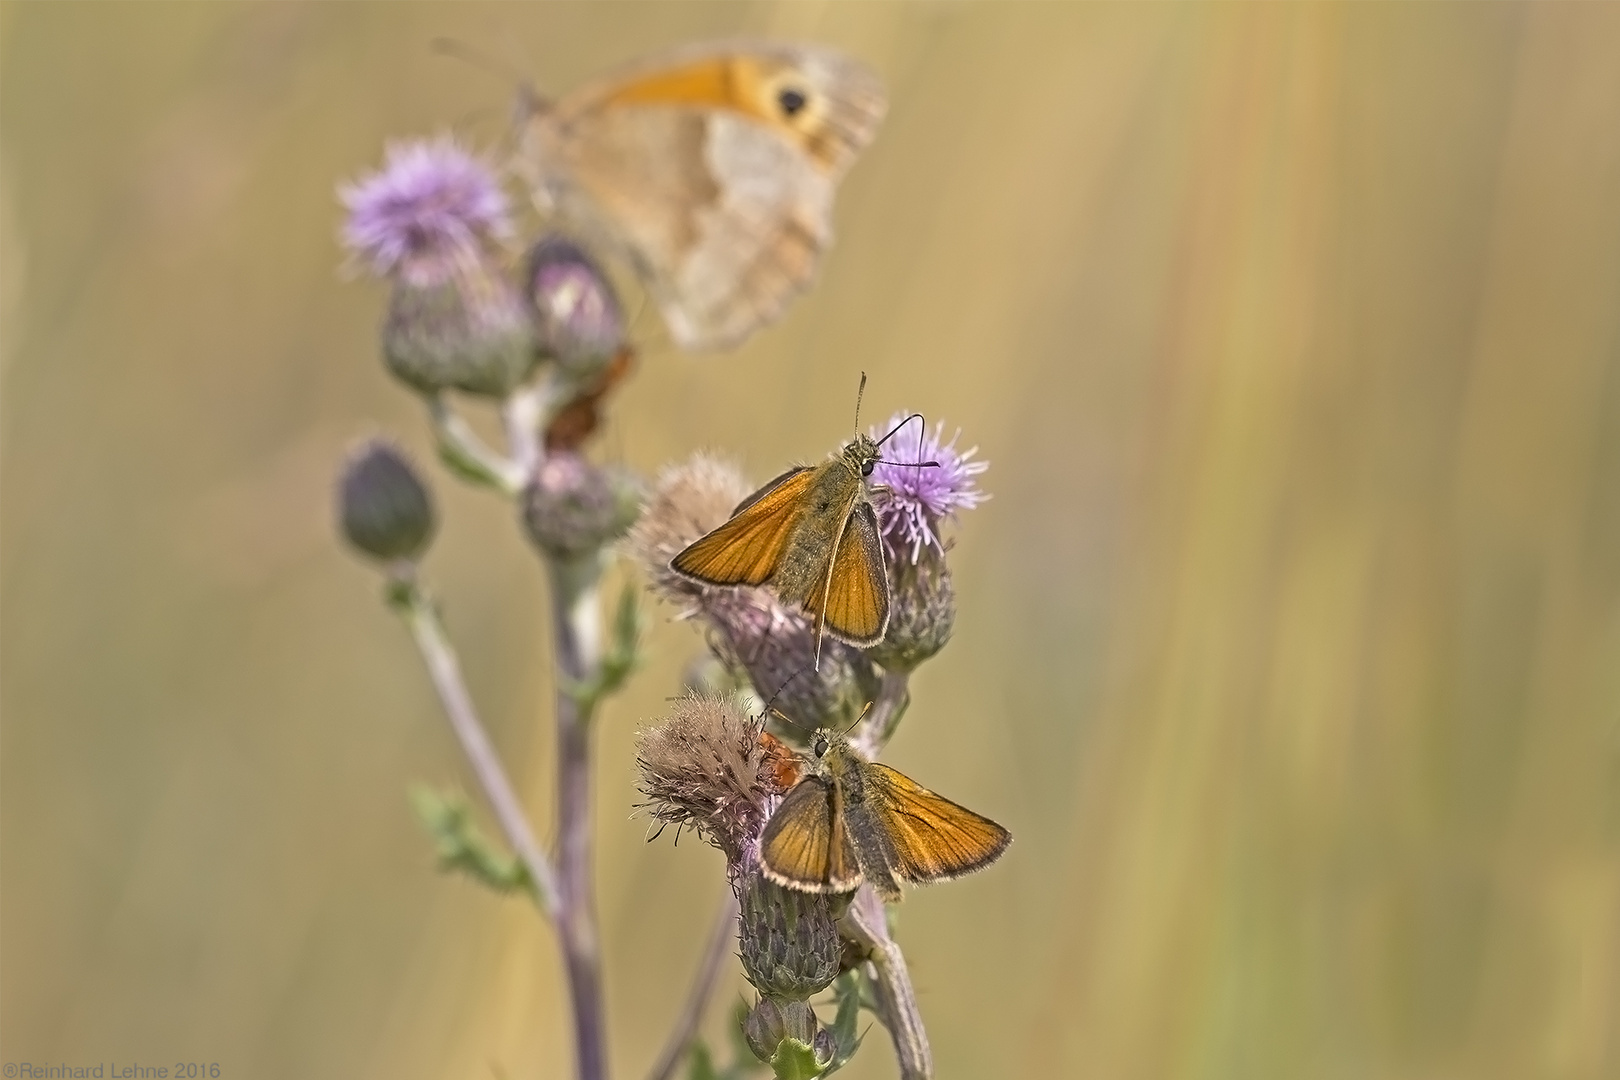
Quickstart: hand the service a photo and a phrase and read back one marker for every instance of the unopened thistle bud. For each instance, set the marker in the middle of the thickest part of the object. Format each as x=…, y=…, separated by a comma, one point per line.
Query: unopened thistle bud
x=576, y=310
x=918, y=502
x=573, y=507
x=770, y=1023
x=788, y=940
x=383, y=506
x=432, y=221
x=708, y=766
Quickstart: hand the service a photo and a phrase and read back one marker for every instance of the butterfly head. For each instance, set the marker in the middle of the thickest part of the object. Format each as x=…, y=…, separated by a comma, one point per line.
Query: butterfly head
x=861, y=455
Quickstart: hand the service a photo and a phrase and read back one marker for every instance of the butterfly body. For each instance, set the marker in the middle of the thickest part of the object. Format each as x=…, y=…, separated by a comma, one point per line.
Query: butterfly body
x=849, y=820
x=812, y=536
x=712, y=169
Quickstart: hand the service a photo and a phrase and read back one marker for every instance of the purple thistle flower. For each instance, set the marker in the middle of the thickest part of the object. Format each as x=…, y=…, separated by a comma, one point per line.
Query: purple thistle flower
x=429, y=206
x=921, y=498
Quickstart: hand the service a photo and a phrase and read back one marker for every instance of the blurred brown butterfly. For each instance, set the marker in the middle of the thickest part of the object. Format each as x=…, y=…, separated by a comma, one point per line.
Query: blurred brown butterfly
x=812, y=536
x=713, y=168
x=851, y=820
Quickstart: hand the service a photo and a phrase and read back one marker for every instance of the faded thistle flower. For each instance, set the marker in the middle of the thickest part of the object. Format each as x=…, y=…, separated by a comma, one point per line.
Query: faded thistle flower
x=751, y=630
x=708, y=766
x=383, y=506
x=919, y=500
x=433, y=220
x=572, y=507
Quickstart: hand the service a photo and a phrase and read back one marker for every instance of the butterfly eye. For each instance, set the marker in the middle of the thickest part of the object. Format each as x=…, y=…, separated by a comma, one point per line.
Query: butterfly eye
x=867, y=467
x=821, y=747
x=791, y=100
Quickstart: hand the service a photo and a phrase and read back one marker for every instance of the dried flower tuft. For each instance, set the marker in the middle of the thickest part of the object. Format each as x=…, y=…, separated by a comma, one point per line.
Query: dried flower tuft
x=706, y=767
x=921, y=498
x=689, y=500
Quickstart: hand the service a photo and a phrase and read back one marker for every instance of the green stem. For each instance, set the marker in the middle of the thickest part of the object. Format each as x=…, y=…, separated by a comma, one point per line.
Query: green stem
x=576, y=622
x=466, y=453
x=445, y=670
x=867, y=924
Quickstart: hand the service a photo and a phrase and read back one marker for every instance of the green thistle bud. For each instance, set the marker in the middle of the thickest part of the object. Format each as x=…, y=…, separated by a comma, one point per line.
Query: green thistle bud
x=770, y=1023
x=788, y=940
x=468, y=331
x=383, y=507
x=573, y=508
x=922, y=611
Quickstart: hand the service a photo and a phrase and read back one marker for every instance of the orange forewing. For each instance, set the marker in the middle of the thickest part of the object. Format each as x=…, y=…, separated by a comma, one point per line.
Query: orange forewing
x=748, y=547
x=804, y=845
x=856, y=604
x=934, y=839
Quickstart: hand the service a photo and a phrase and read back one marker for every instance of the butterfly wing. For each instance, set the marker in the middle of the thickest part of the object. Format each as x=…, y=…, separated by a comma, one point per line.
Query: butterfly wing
x=748, y=547
x=804, y=845
x=714, y=167
x=857, y=594
x=934, y=839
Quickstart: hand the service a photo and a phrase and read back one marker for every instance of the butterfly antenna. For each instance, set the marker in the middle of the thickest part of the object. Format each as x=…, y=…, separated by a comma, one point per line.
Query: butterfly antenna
x=859, y=394
x=779, y=690
x=895, y=430
x=857, y=720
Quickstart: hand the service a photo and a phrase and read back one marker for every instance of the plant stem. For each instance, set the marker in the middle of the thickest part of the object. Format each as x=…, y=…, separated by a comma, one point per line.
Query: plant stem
x=867, y=923
x=576, y=632
x=445, y=670
x=878, y=726
x=697, y=998
x=469, y=455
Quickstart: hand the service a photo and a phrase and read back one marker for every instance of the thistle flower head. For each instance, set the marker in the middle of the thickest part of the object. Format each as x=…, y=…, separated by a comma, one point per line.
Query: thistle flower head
x=921, y=498
x=706, y=766
x=418, y=216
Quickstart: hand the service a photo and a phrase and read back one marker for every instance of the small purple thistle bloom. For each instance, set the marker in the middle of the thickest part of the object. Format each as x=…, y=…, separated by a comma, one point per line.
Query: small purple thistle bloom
x=921, y=497
x=430, y=204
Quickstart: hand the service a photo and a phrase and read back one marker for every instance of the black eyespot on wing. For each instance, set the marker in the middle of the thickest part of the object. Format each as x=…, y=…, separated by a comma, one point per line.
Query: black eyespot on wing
x=791, y=99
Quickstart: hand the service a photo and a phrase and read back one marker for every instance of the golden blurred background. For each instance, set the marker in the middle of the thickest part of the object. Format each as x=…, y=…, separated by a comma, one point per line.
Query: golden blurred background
x=1289, y=646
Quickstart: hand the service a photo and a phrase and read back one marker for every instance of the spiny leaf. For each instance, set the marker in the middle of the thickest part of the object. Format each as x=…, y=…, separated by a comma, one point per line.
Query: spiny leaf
x=462, y=847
